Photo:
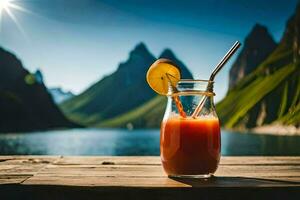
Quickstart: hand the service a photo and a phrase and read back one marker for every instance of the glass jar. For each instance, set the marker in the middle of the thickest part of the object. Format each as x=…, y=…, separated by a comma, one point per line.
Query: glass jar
x=190, y=145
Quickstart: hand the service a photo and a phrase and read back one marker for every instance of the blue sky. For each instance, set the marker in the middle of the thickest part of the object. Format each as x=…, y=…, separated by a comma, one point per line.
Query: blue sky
x=75, y=43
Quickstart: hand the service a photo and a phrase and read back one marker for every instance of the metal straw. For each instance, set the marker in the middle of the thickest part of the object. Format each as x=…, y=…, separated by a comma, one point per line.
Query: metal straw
x=219, y=66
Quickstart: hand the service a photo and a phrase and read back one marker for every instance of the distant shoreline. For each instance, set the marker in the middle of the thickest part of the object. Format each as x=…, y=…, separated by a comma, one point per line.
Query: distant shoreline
x=276, y=129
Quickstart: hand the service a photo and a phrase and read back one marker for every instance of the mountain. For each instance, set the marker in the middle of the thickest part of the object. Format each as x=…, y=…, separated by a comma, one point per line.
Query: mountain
x=24, y=101
x=257, y=46
x=39, y=76
x=185, y=73
x=149, y=114
x=271, y=93
x=123, y=97
x=60, y=95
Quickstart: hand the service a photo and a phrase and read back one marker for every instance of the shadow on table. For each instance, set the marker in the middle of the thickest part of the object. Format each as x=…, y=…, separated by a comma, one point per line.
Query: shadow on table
x=215, y=188
x=233, y=182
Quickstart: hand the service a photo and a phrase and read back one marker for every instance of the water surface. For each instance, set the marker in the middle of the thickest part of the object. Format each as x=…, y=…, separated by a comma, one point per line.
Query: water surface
x=137, y=142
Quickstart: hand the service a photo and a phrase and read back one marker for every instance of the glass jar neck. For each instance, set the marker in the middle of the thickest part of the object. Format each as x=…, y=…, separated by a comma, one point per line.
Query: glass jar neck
x=192, y=87
x=191, y=98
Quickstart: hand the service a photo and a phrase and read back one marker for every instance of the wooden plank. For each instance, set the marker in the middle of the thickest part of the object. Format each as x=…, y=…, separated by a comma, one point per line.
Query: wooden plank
x=27, y=166
x=143, y=160
x=109, y=160
x=282, y=174
x=260, y=160
x=23, y=165
x=13, y=179
x=150, y=171
x=31, y=166
x=25, y=160
x=16, y=169
x=157, y=182
x=155, y=160
x=21, y=169
x=80, y=177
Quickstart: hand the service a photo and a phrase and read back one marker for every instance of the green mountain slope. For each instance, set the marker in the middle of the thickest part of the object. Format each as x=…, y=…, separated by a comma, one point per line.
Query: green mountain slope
x=148, y=115
x=124, y=96
x=115, y=94
x=271, y=93
x=25, y=104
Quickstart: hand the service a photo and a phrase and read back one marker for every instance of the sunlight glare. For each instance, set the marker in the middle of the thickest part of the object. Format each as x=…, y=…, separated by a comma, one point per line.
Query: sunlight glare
x=4, y=4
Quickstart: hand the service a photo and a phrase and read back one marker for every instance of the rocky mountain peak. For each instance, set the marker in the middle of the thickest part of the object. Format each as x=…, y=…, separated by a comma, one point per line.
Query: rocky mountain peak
x=259, y=33
x=39, y=76
x=291, y=36
x=139, y=59
x=168, y=53
x=185, y=73
x=257, y=46
x=139, y=49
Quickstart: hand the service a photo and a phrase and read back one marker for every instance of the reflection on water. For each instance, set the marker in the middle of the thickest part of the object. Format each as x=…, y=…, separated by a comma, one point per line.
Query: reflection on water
x=137, y=142
x=255, y=144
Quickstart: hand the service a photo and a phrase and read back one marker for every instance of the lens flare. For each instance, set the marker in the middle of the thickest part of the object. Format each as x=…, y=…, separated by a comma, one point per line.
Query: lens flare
x=7, y=7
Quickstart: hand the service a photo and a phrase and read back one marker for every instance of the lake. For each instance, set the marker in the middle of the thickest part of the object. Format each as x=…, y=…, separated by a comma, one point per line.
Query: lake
x=118, y=142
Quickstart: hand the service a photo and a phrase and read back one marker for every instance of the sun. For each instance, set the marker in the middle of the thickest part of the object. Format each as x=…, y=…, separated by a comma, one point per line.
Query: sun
x=4, y=4
x=8, y=7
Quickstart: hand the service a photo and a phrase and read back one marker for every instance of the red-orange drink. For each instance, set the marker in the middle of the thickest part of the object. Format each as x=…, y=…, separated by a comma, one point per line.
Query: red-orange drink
x=190, y=146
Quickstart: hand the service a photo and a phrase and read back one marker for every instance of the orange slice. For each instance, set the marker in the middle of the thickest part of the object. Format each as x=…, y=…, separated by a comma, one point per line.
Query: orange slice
x=162, y=73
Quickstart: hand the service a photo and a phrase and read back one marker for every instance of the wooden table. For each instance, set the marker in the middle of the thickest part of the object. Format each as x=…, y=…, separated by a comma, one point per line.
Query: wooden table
x=58, y=177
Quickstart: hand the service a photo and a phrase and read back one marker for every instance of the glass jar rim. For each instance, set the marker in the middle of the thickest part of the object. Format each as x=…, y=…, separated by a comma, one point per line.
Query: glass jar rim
x=195, y=81
x=187, y=91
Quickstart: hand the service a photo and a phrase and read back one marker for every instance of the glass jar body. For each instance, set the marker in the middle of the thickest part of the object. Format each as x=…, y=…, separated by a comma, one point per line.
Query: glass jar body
x=190, y=146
